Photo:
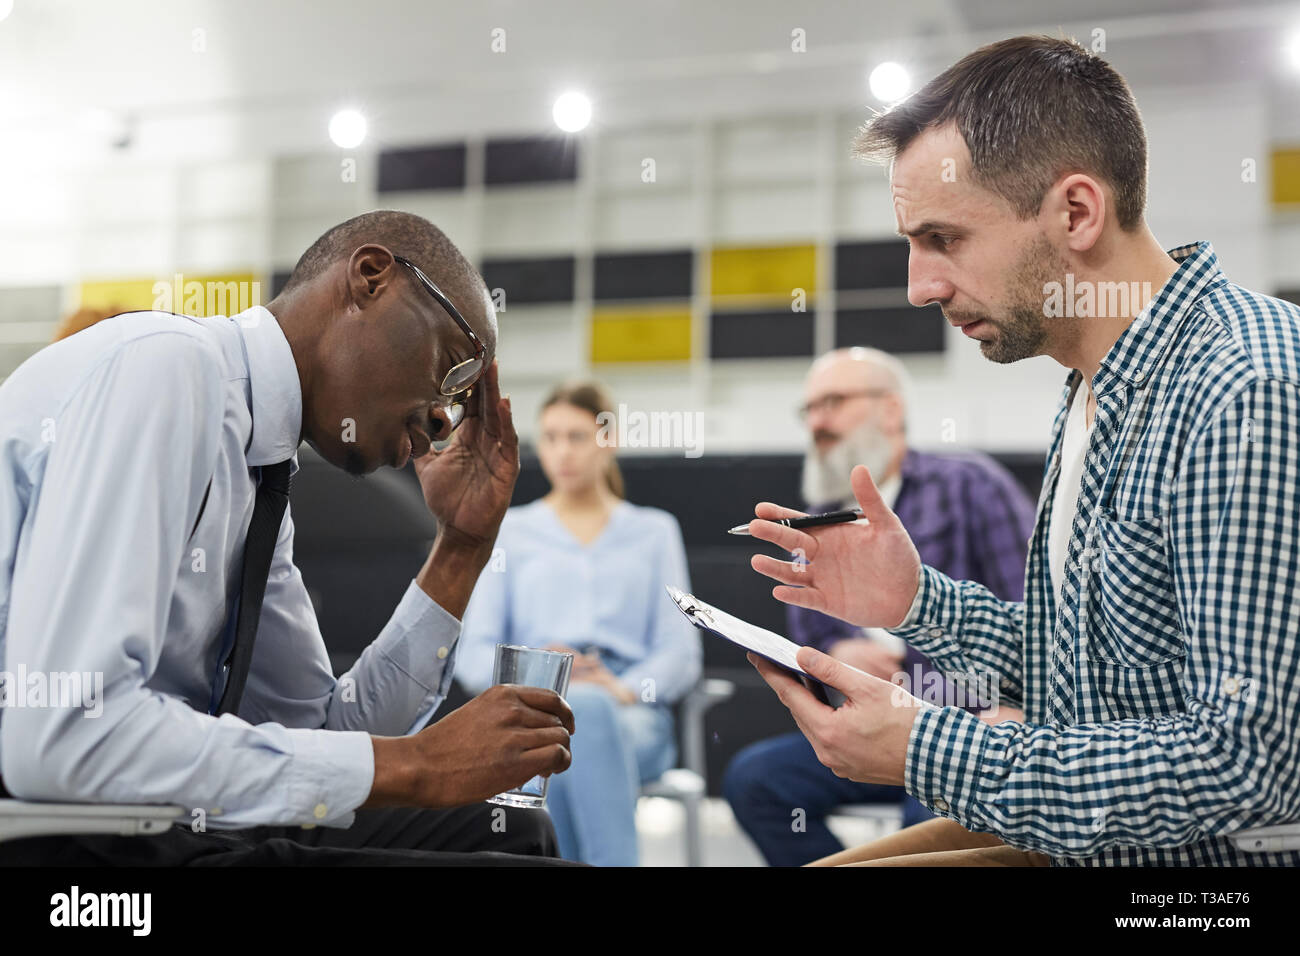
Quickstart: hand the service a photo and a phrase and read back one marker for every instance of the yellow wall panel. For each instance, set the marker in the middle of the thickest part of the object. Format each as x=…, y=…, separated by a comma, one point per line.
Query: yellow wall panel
x=188, y=294
x=129, y=295
x=1286, y=175
x=641, y=335
x=769, y=271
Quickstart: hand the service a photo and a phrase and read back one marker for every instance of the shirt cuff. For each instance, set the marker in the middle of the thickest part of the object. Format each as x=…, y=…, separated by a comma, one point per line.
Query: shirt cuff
x=416, y=609
x=914, y=613
x=944, y=752
x=420, y=640
x=330, y=776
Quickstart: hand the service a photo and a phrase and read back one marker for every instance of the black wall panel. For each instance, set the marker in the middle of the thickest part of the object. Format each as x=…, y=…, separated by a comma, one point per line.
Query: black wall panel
x=897, y=329
x=871, y=265
x=773, y=334
x=531, y=280
x=425, y=167
x=645, y=275
x=530, y=160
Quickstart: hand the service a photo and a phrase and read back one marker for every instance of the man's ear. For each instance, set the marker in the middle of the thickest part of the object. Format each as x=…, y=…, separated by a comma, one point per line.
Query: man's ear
x=370, y=272
x=1078, y=211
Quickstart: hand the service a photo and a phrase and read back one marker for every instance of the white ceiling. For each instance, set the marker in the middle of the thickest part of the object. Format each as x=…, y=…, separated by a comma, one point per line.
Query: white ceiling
x=271, y=72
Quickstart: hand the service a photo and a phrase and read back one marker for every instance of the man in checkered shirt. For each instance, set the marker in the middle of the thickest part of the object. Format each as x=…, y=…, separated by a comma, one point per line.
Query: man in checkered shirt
x=1155, y=654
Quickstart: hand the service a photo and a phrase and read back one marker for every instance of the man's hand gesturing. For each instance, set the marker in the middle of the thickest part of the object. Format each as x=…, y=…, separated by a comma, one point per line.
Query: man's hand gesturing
x=866, y=574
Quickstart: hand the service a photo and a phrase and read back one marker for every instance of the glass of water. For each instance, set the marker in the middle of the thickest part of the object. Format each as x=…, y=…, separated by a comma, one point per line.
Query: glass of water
x=531, y=667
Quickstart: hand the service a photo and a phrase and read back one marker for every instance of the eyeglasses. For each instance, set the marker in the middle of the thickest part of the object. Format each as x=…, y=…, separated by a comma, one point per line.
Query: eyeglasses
x=456, y=383
x=459, y=377
x=833, y=400
x=455, y=410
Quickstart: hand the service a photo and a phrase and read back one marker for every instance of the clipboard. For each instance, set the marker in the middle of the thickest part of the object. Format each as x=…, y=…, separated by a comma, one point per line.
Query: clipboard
x=765, y=643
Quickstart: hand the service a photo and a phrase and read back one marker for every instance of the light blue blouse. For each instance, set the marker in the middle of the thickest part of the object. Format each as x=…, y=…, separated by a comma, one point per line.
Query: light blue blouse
x=543, y=586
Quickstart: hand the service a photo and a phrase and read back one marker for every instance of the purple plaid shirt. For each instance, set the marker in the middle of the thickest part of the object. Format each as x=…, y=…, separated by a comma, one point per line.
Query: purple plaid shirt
x=969, y=518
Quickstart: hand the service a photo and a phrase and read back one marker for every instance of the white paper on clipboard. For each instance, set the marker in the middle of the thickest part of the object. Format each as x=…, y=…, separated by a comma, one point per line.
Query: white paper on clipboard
x=752, y=638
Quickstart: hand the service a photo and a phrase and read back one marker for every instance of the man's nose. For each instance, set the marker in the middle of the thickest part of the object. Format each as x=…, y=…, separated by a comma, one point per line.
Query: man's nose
x=925, y=284
x=817, y=418
x=439, y=423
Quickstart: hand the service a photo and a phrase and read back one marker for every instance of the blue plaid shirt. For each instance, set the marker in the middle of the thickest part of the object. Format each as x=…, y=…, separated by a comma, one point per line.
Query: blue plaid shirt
x=1161, y=698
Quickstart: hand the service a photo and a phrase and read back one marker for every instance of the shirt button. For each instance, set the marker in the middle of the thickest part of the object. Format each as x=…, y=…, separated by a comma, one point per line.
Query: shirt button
x=936, y=632
x=320, y=811
x=442, y=653
x=1005, y=682
x=1230, y=686
x=941, y=805
x=1096, y=564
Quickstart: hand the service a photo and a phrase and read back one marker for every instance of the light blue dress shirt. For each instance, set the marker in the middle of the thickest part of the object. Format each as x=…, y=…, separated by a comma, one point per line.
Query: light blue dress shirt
x=108, y=440
x=543, y=587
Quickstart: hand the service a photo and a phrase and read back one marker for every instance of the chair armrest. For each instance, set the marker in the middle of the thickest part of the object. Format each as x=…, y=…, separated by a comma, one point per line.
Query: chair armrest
x=23, y=818
x=706, y=693
x=1268, y=839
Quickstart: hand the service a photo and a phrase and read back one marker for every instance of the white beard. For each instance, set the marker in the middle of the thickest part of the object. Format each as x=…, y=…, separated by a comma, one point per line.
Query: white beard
x=826, y=476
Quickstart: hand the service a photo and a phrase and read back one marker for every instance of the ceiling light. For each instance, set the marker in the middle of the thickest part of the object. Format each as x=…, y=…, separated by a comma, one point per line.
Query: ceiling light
x=347, y=129
x=890, y=82
x=572, y=112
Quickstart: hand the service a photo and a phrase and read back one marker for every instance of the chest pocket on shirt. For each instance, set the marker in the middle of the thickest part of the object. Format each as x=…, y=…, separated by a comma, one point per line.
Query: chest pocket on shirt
x=1132, y=609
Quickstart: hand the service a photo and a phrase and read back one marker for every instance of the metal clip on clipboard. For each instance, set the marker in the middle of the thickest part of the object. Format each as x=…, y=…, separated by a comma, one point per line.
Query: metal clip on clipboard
x=686, y=603
x=773, y=647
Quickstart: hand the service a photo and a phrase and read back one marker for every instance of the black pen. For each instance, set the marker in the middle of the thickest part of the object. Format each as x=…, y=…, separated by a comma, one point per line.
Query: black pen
x=808, y=521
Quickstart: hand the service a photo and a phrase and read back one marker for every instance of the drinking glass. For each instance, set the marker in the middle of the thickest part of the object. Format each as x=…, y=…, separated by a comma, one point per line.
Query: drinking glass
x=531, y=667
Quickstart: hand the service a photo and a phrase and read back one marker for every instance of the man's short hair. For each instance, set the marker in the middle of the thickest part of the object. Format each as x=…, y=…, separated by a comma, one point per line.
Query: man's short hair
x=404, y=234
x=1031, y=109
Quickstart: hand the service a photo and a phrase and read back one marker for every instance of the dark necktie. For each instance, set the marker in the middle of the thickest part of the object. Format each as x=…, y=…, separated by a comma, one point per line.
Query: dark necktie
x=259, y=546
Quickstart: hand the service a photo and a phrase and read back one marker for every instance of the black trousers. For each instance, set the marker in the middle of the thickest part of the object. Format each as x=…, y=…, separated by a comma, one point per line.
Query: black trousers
x=476, y=835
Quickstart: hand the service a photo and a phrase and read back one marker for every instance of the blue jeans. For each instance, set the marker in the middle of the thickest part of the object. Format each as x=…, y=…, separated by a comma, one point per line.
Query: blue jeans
x=768, y=781
x=615, y=749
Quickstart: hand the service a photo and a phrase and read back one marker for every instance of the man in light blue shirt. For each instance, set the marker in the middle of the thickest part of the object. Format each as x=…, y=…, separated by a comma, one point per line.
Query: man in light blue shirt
x=129, y=460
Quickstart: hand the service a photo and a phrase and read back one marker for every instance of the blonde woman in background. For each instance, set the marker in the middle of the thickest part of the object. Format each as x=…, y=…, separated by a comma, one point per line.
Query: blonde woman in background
x=583, y=570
